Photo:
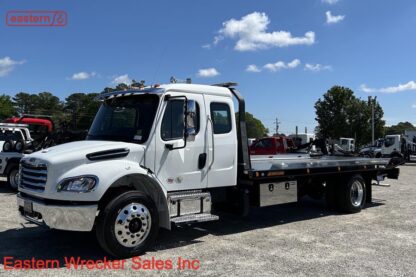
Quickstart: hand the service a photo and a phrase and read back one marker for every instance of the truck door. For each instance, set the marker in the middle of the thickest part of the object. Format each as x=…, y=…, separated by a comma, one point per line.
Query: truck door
x=183, y=168
x=222, y=141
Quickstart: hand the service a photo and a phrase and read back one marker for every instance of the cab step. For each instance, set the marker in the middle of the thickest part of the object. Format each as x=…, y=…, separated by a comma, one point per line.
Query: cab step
x=194, y=218
x=190, y=207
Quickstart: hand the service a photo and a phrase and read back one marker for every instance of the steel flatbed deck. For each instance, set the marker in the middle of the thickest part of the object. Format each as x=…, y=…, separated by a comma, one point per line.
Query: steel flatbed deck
x=293, y=165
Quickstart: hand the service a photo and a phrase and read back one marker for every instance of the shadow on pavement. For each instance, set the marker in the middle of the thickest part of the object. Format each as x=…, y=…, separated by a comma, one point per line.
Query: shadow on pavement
x=42, y=243
x=4, y=188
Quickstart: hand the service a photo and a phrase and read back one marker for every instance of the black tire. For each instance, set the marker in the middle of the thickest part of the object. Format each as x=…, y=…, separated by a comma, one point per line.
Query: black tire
x=351, y=195
x=12, y=177
x=8, y=146
x=19, y=144
x=106, y=225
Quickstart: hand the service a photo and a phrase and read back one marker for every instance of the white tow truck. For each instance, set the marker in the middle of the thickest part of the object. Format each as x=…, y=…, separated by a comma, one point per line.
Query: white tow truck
x=13, y=141
x=173, y=154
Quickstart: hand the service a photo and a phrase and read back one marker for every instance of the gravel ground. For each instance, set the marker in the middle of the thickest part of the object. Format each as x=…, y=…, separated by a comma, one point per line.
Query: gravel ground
x=301, y=239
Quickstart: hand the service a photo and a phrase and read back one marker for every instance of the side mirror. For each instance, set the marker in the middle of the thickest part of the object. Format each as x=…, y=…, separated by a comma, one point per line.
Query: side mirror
x=190, y=120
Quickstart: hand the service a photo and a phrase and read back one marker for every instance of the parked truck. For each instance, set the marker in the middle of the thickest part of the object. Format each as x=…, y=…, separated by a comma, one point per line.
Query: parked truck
x=14, y=140
x=174, y=154
x=272, y=146
x=399, y=146
x=301, y=139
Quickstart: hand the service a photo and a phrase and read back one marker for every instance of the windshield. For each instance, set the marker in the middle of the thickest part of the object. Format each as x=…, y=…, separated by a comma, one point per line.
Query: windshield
x=128, y=119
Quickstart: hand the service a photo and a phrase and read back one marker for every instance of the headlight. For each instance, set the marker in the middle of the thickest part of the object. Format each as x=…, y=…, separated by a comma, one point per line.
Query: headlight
x=78, y=184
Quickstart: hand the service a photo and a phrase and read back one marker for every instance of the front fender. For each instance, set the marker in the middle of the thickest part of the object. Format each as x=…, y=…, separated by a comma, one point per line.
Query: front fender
x=107, y=172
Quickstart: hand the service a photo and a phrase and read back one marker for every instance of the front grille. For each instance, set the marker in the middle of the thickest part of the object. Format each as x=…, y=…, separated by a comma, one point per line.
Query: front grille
x=33, y=177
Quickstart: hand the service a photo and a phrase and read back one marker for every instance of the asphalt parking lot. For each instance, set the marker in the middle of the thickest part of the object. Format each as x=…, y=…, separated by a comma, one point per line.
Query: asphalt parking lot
x=300, y=239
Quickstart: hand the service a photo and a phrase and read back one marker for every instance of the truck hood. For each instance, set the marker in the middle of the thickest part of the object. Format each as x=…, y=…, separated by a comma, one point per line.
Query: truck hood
x=87, y=151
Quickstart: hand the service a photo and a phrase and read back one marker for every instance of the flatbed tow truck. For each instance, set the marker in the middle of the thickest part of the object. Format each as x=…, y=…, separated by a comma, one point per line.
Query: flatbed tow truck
x=173, y=154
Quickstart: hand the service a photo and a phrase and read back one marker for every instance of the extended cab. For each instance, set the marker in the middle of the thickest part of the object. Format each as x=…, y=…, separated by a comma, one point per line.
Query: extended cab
x=174, y=154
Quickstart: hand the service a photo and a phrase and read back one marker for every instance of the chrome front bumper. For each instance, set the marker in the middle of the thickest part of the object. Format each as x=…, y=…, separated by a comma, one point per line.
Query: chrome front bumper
x=62, y=217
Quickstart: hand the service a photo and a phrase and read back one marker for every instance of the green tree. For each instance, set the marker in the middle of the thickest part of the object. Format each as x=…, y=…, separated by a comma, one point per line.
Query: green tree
x=82, y=108
x=48, y=104
x=399, y=128
x=340, y=114
x=255, y=128
x=6, y=107
x=25, y=103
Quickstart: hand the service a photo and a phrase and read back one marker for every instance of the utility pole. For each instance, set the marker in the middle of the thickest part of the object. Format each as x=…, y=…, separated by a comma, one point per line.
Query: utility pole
x=277, y=122
x=372, y=103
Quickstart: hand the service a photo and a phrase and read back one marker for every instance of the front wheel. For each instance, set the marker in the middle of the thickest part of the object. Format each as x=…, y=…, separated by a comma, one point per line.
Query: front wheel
x=128, y=225
x=13, y=178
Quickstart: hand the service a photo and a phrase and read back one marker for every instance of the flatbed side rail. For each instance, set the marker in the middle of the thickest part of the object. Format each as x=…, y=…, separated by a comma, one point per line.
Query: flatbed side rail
x=391, y=172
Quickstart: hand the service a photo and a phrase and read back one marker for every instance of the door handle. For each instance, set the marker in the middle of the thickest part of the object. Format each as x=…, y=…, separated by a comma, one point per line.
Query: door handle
x=202, y=160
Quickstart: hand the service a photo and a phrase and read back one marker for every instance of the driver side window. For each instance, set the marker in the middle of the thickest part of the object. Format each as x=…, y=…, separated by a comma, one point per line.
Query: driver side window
x=173, y=120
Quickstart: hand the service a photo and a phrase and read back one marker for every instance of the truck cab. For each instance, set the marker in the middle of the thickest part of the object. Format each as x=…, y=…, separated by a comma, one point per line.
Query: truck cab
x=347, y=144
x=391, y=145
x=301, y=139
x=399, y=146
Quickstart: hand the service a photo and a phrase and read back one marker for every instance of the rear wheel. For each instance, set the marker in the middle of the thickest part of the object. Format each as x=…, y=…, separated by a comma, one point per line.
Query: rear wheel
x=351, y=195
x=128, y=225
x=13, y=178
x=8, y=146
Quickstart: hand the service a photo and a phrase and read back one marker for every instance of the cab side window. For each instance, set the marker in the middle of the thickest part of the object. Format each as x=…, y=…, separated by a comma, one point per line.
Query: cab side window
x=221, y=117
x=173, y=120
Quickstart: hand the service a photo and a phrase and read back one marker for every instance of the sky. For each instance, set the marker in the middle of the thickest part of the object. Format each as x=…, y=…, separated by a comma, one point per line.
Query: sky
x=283, y=54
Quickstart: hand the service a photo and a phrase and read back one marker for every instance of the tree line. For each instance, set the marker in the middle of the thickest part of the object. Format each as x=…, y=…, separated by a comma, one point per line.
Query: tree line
x=339, y=113
x=77, y=110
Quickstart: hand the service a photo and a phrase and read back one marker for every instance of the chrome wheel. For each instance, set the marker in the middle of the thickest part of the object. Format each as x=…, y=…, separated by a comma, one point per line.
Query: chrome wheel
x=14, y=178
x=357, y=193
x=132, y=225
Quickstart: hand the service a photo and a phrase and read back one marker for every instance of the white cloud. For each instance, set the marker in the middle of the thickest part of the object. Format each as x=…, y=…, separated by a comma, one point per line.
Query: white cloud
x=253, y=68
x=122, y=79
x=7, y=65
x=208, y=72
x=83, y=75
x=279, y=65
x=332, y=19
x=414, y=106
x=399, y=88
x=330, y=2
x=251, y=34
x=317, y=67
